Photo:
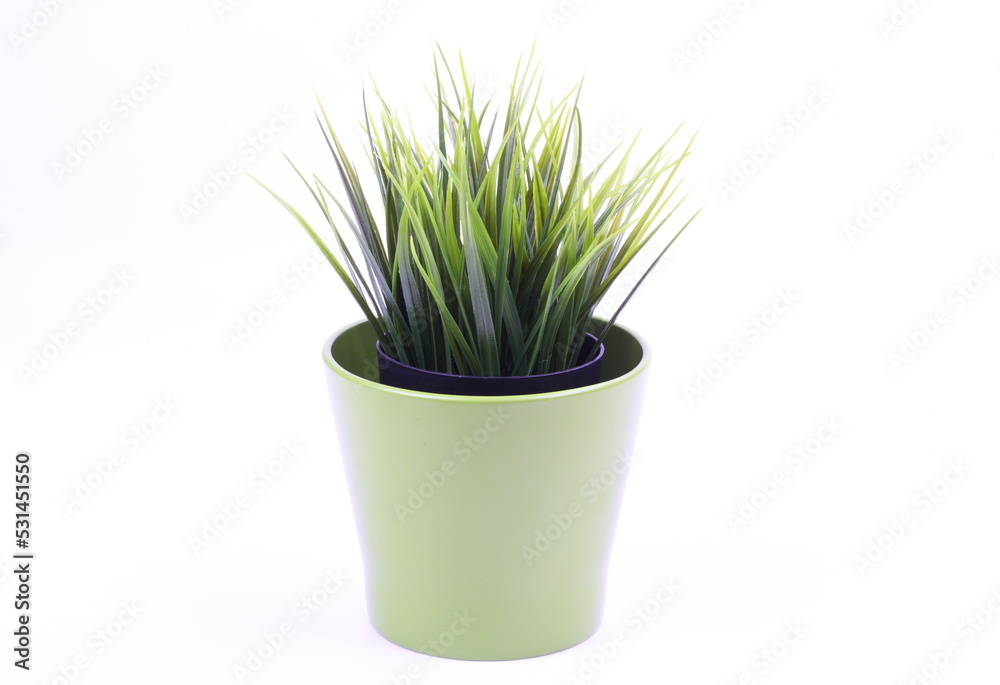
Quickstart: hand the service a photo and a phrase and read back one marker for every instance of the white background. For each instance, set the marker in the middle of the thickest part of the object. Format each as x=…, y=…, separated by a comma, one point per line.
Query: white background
x=891, y=90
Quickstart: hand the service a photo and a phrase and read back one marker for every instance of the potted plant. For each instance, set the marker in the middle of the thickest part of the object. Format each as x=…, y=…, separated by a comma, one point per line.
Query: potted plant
x=485, y=416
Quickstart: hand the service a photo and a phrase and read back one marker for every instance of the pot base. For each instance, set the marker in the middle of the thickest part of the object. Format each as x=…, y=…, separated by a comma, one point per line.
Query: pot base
x=494, y=633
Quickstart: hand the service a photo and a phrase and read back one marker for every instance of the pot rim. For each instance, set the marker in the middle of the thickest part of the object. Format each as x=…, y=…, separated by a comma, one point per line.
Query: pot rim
x=351, y=377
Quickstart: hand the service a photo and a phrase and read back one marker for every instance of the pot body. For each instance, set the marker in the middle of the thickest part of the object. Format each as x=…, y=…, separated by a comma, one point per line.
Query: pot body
x=485, y=523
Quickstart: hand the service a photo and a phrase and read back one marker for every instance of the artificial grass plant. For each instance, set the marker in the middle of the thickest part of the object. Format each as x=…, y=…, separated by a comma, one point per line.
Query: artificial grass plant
x=492, y=249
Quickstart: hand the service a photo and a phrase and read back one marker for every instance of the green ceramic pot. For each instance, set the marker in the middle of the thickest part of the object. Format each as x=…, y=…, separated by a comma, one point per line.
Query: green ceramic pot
x=485, y=523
